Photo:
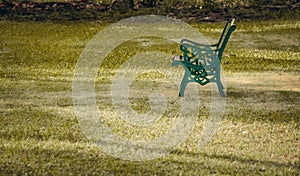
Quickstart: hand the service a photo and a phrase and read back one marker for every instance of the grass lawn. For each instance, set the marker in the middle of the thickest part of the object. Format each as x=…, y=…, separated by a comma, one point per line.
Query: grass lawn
x=40, y=135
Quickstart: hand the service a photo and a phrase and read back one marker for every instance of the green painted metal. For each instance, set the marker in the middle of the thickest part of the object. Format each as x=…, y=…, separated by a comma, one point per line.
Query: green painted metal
x=202, y=62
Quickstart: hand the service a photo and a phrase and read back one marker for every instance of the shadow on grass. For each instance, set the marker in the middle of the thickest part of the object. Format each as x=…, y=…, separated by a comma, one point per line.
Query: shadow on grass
x=44, y=126
x=242, y=164
x=91, y=161
x=50, y=115
x=270, y=106
x=39, y=121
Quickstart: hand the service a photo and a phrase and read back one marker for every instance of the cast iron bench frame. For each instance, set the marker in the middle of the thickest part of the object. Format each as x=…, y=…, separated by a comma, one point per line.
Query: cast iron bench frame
x=202, y=62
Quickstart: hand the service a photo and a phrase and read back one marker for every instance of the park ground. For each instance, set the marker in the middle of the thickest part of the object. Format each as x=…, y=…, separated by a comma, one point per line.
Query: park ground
x=40, y=134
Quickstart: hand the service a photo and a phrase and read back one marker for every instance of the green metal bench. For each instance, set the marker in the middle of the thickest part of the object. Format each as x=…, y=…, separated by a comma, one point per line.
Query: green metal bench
x=202, y=62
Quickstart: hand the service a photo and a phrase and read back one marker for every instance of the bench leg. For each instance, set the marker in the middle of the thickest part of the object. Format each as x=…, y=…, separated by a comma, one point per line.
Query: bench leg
x=219, y=83
x=220, y=87
x=184, y=82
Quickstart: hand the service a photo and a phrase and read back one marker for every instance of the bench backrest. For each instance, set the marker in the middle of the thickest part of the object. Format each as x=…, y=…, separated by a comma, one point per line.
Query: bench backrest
x=228, y=29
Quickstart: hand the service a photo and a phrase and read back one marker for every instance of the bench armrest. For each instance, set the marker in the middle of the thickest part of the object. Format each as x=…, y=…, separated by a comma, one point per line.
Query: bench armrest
x=205, y=54
x=197, y=49
x=195, y=44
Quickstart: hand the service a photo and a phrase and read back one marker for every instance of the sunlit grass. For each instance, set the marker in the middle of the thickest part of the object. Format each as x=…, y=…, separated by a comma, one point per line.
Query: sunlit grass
x=39, y=132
